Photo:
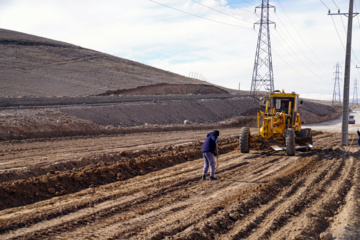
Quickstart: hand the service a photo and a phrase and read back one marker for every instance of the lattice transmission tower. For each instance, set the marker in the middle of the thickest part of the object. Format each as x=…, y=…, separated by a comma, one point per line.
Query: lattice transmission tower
x=336, y=94
x=263, y=68
x=355, y=101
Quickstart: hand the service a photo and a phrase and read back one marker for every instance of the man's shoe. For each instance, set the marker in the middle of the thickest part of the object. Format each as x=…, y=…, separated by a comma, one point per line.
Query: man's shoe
x=213, y=178
x=204, y=177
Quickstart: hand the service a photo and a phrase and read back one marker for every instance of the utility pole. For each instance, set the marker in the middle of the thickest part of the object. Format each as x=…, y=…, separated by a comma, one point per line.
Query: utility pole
x=263, y=69
x=355, y=101
x=345, y=127
x=336, y=94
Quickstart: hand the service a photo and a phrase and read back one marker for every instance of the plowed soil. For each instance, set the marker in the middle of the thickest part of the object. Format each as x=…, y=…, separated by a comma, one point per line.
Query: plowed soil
x=148, y=186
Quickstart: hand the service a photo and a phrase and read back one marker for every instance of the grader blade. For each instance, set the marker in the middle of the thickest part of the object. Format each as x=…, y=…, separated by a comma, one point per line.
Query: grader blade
x=297, y=148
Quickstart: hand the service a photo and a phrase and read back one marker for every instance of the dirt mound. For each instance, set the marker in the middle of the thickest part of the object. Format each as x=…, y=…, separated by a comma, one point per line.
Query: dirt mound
x=125, y=118
x=165, y=89
x=20, y=124
x=164, y=112
x=312, y=112
x=140, y=117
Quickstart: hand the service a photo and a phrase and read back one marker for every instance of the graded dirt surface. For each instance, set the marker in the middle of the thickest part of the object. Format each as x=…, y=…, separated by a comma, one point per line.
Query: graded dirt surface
x=147, y=186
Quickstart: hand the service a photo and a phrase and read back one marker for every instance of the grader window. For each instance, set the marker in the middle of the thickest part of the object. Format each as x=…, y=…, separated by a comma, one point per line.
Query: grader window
x=282, y=104
x=278, y=104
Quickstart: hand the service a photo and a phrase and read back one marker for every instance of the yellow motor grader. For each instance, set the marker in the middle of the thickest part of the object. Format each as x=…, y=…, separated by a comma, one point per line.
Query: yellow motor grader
x=280, y=124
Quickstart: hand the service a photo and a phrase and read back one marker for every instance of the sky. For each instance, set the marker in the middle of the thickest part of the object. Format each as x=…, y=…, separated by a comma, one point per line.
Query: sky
x=211, y=40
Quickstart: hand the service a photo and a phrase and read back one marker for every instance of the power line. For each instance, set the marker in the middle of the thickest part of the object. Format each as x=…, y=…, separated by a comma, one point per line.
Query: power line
x=248, y=10
x=249, y=2
x=353, y=52
x=291, y=66
x=232, y=25
x=336, y=5
x=220, y=11
x=342, y=21
x=337, y=32
x=298, y=33
x=351, y=48
x=358, y=18
x=324, y=4
x=296, y=45
x=293, y=42
x=298, y=59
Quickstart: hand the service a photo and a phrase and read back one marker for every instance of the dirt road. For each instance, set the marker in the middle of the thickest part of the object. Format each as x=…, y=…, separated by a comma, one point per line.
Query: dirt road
x=147, y=186
x=335, y=125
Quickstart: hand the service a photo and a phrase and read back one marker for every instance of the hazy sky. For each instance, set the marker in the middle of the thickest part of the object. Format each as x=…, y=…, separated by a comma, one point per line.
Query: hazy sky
x=211, y=39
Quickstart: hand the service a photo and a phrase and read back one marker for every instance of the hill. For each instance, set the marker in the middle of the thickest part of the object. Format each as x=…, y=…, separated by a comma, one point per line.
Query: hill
x=33, y=66
x=51, y=88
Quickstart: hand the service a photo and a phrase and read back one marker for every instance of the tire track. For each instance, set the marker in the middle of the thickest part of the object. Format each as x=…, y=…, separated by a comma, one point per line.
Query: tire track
x=301, y=200
x=236, y=212
x=331, y=204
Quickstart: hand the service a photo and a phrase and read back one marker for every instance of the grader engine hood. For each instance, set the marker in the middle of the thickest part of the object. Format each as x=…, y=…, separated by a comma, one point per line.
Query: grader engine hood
x=272, y=126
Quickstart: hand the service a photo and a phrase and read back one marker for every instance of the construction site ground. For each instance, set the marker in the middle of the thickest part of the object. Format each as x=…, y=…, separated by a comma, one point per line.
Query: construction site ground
x=148, y=186
x=73, y=167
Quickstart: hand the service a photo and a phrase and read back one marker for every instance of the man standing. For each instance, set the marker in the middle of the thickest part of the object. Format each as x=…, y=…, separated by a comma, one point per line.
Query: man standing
x=359, y=137
x=208, y=152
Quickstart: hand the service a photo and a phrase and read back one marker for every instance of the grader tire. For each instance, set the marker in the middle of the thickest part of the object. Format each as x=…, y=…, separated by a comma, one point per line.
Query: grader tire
x=245, y=140
x=290, y=142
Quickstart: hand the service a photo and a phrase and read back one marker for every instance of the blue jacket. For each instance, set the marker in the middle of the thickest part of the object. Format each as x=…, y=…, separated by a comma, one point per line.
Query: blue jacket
x=359, y=137
x=210, y=143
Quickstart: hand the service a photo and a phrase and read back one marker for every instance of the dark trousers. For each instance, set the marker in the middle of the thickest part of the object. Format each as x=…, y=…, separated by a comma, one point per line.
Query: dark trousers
x=209, y=161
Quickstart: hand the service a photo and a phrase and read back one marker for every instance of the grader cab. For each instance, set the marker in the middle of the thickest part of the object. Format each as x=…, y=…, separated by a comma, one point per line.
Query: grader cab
x=280, y=124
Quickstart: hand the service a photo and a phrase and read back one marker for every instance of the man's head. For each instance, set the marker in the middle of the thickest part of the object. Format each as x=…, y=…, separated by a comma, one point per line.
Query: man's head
x=217, y=132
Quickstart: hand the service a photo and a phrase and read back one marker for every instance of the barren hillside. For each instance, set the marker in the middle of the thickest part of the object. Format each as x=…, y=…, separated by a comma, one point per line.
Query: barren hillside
x=40, y=67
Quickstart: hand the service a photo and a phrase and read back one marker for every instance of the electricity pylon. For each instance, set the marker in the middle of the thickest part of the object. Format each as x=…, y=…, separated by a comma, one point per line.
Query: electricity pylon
x=336, y=94
x=263, y=69
x=355, y=101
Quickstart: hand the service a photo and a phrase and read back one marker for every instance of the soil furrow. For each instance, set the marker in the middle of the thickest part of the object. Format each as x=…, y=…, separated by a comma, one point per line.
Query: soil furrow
x=295, y=204
x=247, y=226
x=110, y=209
x=329, y=205
x=233, y=212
